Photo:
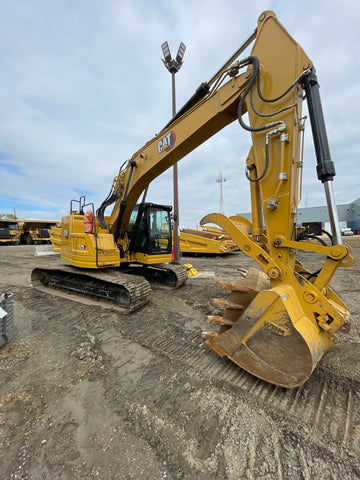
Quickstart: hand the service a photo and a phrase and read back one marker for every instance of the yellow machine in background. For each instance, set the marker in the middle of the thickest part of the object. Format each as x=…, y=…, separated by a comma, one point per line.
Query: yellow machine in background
x=10, y=232
x=36, y=231
x=278, y=321
x=209, y=241
x=26, y=232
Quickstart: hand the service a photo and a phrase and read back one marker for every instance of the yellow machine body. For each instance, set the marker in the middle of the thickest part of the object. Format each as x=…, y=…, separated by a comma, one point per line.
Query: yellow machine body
x=86, y=250
x=278, y=321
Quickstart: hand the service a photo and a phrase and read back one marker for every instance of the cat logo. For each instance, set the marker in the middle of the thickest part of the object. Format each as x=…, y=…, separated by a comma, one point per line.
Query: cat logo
x=167, y=142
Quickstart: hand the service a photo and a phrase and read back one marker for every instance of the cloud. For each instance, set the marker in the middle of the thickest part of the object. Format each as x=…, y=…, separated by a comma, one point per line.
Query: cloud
x=83, y=88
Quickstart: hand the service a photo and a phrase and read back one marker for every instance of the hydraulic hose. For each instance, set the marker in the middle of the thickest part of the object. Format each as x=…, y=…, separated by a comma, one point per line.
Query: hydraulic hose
x=257, y=179
x=100, y=212
x=254, y=61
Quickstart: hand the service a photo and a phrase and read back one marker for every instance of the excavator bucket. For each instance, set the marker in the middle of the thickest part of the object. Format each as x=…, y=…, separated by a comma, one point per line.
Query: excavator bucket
x=266, y=332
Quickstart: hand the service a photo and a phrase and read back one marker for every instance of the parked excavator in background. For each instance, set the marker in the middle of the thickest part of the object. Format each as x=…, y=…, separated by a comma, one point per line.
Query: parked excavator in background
x=278, y=321
x=207, y=241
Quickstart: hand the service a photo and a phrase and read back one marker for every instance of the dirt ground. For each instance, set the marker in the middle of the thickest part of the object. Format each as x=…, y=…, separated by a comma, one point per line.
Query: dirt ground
x=87, y=393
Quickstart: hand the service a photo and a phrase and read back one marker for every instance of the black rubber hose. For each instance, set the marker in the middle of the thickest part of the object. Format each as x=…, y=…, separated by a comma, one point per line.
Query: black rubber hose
x=265, y=168
x=254, y=61
x=111, y=198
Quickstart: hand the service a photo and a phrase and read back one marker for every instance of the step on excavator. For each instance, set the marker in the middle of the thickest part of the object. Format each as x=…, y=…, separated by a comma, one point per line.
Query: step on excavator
x=280, y=318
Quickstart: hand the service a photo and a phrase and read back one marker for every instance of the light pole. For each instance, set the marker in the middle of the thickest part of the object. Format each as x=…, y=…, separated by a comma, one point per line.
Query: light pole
x=174, y=65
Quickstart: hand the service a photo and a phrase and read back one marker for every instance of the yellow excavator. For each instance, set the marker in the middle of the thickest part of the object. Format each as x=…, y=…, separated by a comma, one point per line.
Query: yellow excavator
x=278, y=320
x=208, y=241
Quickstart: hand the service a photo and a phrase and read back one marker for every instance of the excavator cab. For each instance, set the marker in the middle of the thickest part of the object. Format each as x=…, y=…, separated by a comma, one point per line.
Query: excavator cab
x=149, y=230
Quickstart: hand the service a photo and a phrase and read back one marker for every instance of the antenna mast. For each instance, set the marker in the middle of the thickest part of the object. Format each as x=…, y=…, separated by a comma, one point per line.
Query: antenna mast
x=221, y=180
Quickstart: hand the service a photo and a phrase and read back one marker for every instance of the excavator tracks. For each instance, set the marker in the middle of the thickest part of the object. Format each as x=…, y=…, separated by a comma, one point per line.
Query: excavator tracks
x=170, y=275
x=174, y=275
x=109, y=288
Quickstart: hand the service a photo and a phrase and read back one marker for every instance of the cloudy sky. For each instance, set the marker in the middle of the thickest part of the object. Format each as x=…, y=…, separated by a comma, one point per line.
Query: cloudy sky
x=83, y=88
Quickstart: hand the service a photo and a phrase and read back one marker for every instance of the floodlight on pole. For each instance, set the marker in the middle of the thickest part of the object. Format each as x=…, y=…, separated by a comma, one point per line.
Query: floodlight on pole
x=166, y=52
x=180, y=54
x=173, y=66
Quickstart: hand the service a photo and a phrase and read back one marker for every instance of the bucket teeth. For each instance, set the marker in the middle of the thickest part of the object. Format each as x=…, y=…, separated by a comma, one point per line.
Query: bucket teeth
x=211, y=341
x=238, y=285
x=217, y=320
x=243, y=271
x=254, y=281
x=209, y=336
x=241, y=293
x=223, y=303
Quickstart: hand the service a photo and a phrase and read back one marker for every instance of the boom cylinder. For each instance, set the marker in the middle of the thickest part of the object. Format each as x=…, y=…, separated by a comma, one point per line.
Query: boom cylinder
x=325, y=166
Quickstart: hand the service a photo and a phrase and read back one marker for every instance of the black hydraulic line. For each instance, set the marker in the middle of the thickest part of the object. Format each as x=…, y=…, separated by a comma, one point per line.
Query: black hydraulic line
x=109, y=200
x=264, y=115
x=122, y=207
x=328, y=235
x=305, y=234
x=100, y=212
x=254, y=61
x=309, y=274
x=123, y=202
x=271, y=100
x=325, y=166
x=260, y=177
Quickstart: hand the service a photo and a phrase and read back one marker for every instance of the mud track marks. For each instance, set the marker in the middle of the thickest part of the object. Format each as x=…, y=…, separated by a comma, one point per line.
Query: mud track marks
x=248, y=427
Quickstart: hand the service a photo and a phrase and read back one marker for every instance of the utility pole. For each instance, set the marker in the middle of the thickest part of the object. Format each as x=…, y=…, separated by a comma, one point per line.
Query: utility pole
x=174, y=65
x=221, y=180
